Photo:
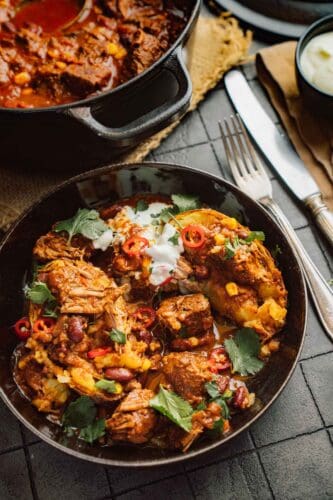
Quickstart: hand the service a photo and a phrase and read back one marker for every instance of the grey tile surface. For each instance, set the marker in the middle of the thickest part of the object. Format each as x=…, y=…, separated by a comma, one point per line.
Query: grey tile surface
x=319, y=375
x=176, y=488
x=239, y=478
x=309, y=241
x=123, y=479
x=14, y=477
x=301, y=468
x=59, y=476
x=201, y=157
x=316, y=341
x=191, y=132
x=282, y=420
x=234, y=447
x=289, y=205
x=215, y=107
x=10, y=433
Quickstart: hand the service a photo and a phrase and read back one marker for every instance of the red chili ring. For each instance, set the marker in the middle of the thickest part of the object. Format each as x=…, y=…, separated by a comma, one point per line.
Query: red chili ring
x=44, y=325
x=135, y=245
x=143, y=312
x=22, y=328
x=193, y=236
x=99, y=351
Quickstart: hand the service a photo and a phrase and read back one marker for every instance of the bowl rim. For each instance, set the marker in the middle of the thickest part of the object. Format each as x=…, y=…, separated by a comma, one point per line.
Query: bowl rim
x=214, y=444
x=300, y=48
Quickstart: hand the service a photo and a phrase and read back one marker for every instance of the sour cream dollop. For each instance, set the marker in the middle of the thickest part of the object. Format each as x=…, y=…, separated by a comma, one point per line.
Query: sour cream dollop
x=164, y=255
x=145, y=217
x=104, y=241
x=317, y=61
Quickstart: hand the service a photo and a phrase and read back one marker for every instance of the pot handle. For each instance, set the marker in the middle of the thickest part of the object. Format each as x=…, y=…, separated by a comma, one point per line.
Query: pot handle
x=154, y=120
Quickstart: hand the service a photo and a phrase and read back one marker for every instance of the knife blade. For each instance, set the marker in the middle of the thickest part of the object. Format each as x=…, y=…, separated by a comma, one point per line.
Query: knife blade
x=277, y=149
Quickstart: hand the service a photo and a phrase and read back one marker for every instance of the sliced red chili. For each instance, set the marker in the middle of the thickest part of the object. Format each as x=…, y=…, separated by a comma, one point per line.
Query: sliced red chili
x=145, y=316
x=218, y=360
x=22, y=328
x=166, y=281
x=193, y=236
x=135, y=245
x=44, y=325
x=99, y=351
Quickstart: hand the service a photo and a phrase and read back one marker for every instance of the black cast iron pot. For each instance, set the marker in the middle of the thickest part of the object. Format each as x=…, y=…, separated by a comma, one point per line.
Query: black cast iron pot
x=102, y=187
x=80, y=135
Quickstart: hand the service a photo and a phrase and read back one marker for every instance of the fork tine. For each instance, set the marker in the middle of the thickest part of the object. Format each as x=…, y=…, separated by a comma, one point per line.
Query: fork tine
x=256, y=164
x=247, y=161
x=237, y=156
x=229, y=155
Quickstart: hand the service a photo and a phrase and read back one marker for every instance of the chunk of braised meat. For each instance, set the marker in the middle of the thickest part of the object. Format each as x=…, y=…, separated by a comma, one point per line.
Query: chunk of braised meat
x=133, y=10
x=201, y=420
x=133, y=420
x=55, y=246
x=186, y=315
x=187, y=344
x=87, y=78
x=79, y=287
x=147, y=49
x=187, y=373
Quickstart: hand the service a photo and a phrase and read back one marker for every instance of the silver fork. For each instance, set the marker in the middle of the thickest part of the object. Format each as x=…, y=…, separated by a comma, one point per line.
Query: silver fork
x=250, y=176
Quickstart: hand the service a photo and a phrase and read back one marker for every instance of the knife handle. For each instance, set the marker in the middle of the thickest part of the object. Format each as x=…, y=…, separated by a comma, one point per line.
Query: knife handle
x=322, y=216
x=321, y=292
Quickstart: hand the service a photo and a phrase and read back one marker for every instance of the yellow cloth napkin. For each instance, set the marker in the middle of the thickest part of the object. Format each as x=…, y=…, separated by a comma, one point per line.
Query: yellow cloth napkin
x=311, y=134
x=217, y=44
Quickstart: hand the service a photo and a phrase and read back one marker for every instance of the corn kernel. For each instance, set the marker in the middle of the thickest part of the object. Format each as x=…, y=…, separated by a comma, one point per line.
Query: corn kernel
x=131, y=361
x=27, y=91
x=22, y=78
x=231, y=288
x=274, y=345
x=121, y=53
x=154, y=345
x=219, y=239
x=146, y=365
x=193, y=341
x=265, y=351
x=231, y=223
x=118, y=388
x=111, y=48
x=61, y=64
x=54, y=53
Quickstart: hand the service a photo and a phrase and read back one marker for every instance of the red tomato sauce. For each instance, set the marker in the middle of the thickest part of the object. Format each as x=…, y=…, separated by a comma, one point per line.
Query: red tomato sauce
x=51, y=15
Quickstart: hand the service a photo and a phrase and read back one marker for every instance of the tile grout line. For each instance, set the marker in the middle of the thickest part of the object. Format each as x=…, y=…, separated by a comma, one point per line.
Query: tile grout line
x=109, y=482
x=189, y=482
x=315, y=356
x=261, y=465
x=29, y=465
x=315, y=402
x=144, y=485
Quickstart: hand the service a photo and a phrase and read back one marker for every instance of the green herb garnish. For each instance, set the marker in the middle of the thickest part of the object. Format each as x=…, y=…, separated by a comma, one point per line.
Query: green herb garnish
x=255, y=235
x=231, y=247
x=141, y=206
x=86, y=222
x=107, y=386
x=93, y=431
x=276, y=251
x=39, y=293
x=174, y=407
x=243, y=351
x=80, y=413
x=201, y=406
x=174, y=239
x=117, y=336
x=212, y=389
x=185, y=202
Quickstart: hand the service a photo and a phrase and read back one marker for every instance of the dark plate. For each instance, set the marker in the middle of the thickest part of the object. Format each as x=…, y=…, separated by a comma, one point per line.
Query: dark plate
x=107, y=185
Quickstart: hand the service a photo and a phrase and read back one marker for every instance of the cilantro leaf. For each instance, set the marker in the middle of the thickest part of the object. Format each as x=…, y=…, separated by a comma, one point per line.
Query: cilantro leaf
x=255, y=235
x=86, y=222
x=167, y=213
x=107, y=385
x=93, y=431
x=185, y=202
x=225, y=408
x=80, y=413
x=141, y=206
x=243, y=351
x=39, y=293
x=231, y=247
x=174, y=239
x=212, y=389
x=201, y=406
x=117, y=336
x=174, y=407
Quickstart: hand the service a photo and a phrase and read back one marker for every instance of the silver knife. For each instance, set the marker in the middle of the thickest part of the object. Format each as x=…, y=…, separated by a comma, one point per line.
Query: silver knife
x=278, y=150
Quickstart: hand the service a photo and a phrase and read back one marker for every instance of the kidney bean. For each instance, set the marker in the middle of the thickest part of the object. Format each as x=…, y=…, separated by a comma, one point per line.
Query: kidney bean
x=222, y=382
x=119, y=374
x=145, y=336
x=240, y=397
x=75, y=328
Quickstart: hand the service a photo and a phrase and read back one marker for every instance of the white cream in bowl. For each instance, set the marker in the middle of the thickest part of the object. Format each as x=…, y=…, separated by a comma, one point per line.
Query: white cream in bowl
x=317, y=62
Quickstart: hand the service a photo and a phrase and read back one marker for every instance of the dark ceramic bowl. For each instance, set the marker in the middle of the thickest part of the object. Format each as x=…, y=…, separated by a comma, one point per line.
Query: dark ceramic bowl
x=320, y=101
x=107, y=185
